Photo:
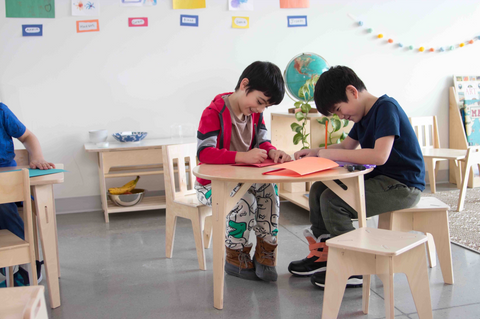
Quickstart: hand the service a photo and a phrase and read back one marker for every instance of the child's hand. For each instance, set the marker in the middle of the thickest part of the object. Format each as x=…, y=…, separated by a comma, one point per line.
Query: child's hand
x=305, y=153
x=254, y=156
x=279, y=156
x=41, y=164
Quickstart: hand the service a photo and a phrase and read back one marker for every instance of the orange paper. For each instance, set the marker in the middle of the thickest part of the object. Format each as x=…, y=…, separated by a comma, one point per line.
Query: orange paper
x=285, y=4
x=303, y=166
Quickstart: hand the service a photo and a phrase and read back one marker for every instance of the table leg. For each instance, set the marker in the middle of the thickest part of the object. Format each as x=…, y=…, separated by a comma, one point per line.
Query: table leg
x=46, y=224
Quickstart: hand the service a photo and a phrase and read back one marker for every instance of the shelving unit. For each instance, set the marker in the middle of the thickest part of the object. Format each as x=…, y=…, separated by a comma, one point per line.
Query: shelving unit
x=130, y=160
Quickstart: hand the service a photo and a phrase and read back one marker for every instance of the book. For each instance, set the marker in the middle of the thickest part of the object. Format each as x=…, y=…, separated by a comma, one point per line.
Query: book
x=467, y=94
x=302, y=167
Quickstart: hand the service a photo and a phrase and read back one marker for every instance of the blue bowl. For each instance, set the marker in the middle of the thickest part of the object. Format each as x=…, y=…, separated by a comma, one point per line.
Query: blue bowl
x=129, y=136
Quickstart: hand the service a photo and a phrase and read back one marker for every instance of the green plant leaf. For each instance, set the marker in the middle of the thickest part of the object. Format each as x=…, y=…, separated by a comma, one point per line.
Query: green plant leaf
x=298, y=104
x=321, y=145
x=299, y=116
x=305, y=148
x=295, y=127
x=306, y=108
x=336, y=124
x=301, y=94
x=297, y=138
x=322, y=120
x=343, y=136
x=345, y=123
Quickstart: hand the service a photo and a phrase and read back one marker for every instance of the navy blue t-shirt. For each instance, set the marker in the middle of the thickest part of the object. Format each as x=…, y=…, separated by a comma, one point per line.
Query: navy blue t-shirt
x=10, y=127
x=405, y=163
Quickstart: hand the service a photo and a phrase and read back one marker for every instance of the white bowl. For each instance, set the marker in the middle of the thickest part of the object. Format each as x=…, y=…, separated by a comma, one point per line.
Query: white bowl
x=98, y=136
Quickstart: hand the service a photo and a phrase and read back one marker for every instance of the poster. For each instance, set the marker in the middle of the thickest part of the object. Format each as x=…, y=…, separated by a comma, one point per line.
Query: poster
x=286, y=4
x=240, y=5
x=189, y=4
x=85, y=8
x=30, y=8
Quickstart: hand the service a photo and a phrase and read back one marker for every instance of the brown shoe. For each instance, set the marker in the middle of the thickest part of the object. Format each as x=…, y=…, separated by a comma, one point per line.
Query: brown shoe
x=239, y=264
x=265, y=260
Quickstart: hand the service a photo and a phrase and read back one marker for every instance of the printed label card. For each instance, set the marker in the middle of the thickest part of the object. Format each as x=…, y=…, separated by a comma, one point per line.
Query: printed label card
x=188, y=20
x=32, y=30
x=189, y=4
x=136, y=3
x=287, y=4
x=149, y=2
x=240, y=22
x=245, y=5
x=88, y=26
x=138, y=22
x=85, y=8
x=297, y=21
x=30, y=8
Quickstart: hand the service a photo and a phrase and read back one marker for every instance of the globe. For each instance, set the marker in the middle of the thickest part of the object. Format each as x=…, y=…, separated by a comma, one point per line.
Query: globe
x=301, y=68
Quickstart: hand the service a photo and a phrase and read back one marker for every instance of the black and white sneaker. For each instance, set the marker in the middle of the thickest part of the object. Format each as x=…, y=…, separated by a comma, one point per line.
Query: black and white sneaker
x=316, y=260
x=318, y=280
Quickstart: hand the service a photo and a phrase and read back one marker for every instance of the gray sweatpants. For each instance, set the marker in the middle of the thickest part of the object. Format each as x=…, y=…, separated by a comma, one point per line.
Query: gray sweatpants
x=329, y=214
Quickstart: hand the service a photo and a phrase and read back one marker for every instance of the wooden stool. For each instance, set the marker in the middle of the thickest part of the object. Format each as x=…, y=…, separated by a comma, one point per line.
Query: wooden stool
x=429, y=216
x=371, y=251
x=23, y=303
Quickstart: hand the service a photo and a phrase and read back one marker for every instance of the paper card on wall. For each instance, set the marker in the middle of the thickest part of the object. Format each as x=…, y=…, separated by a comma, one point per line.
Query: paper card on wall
x=240, y=22
x=240, y=5
x=297, y=21
x=85, y=8
x=286, y=4
x=32, y=30
x=30, y=8
x=303, y=166
x=188, y=20
x=149, y=2
x=189, y=4
x=132, y=2
x=88, y=26
x=138, y=22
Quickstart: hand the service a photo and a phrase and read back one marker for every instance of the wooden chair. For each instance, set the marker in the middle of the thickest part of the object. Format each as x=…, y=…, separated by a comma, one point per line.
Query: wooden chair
x=429, y=216
x=371, y=251
x=15, y=187
x=426, y=129
x=183, y=202
x=23, y=303
x=473, y=158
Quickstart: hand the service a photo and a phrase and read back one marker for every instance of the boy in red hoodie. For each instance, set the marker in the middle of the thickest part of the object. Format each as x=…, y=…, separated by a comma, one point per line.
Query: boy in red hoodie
x=232, y=130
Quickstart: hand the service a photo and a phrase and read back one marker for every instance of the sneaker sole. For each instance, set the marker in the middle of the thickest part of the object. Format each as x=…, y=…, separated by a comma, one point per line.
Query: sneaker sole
x=351, y=283
x=307, y=273
x=269, y=276
x=233, y=271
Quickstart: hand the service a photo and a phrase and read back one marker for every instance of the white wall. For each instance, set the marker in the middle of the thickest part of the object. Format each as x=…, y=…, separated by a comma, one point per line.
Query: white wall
x=63, y=84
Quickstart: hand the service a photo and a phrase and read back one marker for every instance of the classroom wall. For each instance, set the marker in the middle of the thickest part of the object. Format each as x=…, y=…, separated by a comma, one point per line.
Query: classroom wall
x=147, y=79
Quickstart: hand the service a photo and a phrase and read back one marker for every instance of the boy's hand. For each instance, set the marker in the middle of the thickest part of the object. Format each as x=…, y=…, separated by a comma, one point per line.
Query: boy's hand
x=279, y=156
x=253, y=156
x=41, y=164
x=305, y=153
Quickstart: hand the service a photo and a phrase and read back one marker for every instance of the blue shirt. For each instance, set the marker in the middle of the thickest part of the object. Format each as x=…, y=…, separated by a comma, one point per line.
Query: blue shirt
x=10, y=127
x=405, y=163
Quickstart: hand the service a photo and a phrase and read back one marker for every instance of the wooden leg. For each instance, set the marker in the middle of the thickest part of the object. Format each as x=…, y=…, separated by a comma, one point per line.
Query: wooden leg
x=46, y=225
x=366, y=293
x=198, y=225
x=335, y=283
x=9, y=275
x=207, y=233
x=431, y=251
x=170, y=226
x=414, y=264
x=457, y=169
x=219, y=209
x=385, y=273
x=103, y=187
x=430, y=164
x=463, y=190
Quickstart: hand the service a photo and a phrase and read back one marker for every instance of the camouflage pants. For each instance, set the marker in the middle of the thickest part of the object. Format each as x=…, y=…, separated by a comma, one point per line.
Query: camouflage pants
x=258, y=209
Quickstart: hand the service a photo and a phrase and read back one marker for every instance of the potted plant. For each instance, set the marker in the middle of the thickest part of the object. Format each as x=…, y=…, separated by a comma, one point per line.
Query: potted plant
x=335, y=124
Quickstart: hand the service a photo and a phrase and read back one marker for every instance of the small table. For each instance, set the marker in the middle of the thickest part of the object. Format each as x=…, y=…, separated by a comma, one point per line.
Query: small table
x=44, y=208
x=131, y=160
x=225, y=177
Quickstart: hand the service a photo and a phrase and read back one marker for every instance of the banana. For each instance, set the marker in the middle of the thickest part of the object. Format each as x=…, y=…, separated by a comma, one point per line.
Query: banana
x=125, y=188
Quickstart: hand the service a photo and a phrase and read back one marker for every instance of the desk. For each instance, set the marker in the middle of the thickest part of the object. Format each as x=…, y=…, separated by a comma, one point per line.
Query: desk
x=44, y=208
x=130, y=160
x=225, y=177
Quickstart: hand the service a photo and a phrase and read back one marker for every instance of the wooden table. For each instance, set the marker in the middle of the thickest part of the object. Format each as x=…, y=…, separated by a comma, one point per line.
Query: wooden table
x=225, y=177
x=131, y=160
x=44, y=208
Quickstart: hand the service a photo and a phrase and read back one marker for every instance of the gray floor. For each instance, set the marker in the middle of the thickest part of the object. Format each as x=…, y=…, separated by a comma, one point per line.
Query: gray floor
x=119, y=270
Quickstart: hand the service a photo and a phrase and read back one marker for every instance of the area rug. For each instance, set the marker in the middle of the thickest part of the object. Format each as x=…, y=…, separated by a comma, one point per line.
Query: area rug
x=464, y=225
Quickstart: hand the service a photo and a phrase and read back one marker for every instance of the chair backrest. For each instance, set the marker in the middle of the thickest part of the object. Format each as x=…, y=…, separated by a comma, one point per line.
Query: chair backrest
x=473, y=156
x=426, y=129
x=180, y=159
x=22, y=157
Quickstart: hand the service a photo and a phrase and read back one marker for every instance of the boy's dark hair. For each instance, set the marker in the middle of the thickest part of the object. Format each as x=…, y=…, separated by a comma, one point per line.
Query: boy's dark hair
x=331, y=88
x=265, y=77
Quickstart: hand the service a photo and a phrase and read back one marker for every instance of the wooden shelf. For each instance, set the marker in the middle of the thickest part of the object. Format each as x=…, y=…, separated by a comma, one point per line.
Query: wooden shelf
x=148, y=203
x=135, y=173
x=297, y=198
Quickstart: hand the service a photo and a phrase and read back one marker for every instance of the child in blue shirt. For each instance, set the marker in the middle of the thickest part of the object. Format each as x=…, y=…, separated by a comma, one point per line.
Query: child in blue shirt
x=387, y=139
x=11, y=127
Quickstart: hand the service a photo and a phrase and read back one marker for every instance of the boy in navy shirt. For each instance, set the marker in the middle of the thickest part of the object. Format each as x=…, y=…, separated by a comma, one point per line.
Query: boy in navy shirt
x=11, y=127
x=387, y=139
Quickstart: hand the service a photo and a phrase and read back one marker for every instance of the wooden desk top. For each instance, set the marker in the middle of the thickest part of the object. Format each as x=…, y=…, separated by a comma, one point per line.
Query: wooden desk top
x=57, y=178
x=254, y=174
x=449, y=153
x=144, y=144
